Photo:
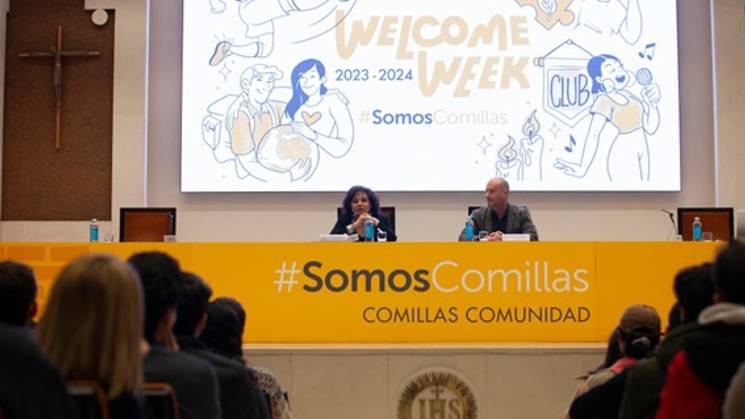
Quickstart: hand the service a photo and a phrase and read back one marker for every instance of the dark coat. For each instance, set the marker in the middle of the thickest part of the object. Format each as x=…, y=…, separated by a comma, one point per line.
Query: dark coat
x=518, y=222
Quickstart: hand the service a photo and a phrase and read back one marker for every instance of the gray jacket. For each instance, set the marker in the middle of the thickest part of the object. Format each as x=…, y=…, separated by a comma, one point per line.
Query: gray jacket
x=518, y=222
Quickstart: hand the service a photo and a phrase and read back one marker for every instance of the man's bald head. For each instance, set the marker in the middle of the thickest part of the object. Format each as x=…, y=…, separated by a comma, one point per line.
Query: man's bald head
x=497, y=193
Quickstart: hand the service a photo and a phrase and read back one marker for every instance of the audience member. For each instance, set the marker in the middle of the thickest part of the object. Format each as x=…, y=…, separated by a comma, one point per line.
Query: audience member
x=92, y=329
x=638, y=335
x=240, y=398
x=30, y=387
x=226, y=321
x=17, y=294
x=359, y=205
x=694, y=291
x=700, y=373
x=499, y=216
x=194, y=380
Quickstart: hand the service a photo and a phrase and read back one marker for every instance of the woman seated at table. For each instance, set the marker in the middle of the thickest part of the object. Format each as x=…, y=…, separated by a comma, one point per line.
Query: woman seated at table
x=359, y=205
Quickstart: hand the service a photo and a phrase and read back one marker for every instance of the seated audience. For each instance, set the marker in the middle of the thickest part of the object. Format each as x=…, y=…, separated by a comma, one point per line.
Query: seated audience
x=499, y=216
x=17, y=294
x=359, y=205
x=194, y=380
x=700, y=373
x=226, y=321
x=91, y=329
x=240, y=397
x=30, y=387
x=694, y=291
x=638, y=335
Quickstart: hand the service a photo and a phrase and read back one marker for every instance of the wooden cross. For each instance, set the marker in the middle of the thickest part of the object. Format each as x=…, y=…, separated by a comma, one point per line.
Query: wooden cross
x=57, y=53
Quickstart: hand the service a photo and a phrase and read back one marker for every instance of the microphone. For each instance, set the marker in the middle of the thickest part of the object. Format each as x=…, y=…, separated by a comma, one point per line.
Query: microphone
x=671, y=216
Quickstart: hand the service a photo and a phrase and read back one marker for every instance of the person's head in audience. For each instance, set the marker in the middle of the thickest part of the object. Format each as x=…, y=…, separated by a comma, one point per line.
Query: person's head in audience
x=694, y=291
x=159, y=274
x=91, y=328
x=17, y=294
x=639, y=331
x=729, y=274
x=192, y=306
x=360, y=200
x=223, y=333
x=497, y=194
x=674, y=317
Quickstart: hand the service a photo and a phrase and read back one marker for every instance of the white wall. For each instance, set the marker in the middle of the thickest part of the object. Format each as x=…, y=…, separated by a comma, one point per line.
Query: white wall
x=420, y=216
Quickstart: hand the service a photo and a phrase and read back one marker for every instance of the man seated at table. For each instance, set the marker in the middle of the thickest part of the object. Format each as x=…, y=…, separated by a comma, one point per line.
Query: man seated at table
x=500, y=217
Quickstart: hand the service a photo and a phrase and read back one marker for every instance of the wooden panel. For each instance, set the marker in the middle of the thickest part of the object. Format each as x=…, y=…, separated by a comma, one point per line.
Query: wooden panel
x=73, y=183
x=147, y=224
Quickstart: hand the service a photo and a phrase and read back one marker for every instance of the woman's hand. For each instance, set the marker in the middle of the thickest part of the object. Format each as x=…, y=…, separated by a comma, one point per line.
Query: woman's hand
x=651, y=95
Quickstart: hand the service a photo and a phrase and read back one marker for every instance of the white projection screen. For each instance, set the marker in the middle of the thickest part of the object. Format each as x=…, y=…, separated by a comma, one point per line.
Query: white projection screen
x=411, y=95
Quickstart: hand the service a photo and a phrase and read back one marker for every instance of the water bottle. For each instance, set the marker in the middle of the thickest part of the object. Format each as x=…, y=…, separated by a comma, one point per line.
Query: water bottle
x=697, y=229
x=369, y=230
x=469, y=229
x=93, y=231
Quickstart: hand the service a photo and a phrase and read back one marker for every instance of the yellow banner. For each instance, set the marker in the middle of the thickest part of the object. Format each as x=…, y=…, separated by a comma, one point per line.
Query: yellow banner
x=416, y=292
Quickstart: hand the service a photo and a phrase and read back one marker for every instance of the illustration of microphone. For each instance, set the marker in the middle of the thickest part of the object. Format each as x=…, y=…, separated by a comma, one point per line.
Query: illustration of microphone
x=644, y=77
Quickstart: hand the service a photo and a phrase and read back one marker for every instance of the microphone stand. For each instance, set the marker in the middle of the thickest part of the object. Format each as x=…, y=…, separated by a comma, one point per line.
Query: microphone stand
x=674, y=228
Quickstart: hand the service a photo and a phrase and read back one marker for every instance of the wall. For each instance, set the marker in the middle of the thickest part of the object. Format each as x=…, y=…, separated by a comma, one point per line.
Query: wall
x=366, y=382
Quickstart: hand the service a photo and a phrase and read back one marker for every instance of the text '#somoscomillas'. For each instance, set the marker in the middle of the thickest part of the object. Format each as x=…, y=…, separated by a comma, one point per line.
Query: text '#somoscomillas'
x=447, y=277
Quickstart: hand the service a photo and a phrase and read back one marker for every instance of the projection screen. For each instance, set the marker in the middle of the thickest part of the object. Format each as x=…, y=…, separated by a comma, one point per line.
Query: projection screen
x=319, y=95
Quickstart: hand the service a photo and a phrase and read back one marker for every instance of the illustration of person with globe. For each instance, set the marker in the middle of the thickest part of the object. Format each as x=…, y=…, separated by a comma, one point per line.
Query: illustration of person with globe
x=271, y=142
x=237, y=125
x=318, y=113
x=620, y=123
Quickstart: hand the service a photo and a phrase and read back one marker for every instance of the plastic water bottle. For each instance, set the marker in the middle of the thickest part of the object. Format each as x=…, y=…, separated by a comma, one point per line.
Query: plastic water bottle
x=697, y=229
x=369, y=230
x=93, y=231
x=469, y=229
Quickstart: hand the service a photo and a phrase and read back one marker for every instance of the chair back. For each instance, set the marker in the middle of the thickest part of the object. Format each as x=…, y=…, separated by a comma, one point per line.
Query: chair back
x=388, y=212
x=471, y=209
x=88, y=399
x=146, y=224
x=160, y=401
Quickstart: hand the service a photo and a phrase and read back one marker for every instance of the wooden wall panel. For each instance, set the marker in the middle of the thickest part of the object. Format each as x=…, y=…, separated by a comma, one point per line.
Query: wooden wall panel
x=39, y=182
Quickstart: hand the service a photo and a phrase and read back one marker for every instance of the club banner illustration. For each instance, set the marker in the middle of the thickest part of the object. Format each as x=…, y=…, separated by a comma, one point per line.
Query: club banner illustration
x=318, y=95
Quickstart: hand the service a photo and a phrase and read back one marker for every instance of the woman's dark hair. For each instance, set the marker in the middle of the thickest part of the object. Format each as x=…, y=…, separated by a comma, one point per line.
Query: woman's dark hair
x=223, y=334
x=612, y=352
x=371, y=196
x=674, y=317
x=640, y=343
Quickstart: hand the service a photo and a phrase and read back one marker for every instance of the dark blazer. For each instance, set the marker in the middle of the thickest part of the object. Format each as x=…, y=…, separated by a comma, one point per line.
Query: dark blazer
x=30, y=387
x=194, y=381
x=346, y=219
x=240, y=396
x=518, y=222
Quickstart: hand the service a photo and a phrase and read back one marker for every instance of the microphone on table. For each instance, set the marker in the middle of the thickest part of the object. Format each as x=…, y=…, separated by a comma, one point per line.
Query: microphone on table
x=671, y=216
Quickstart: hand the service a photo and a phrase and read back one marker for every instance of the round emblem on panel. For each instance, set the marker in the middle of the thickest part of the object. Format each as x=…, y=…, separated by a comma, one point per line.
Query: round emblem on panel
x=436, y=393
